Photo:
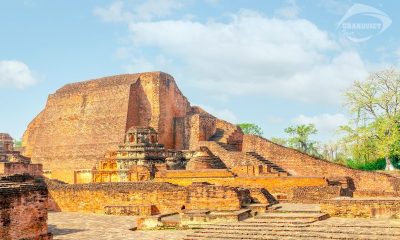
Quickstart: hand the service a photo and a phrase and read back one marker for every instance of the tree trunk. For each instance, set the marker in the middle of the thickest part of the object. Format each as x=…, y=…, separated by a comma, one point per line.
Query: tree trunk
x=389, y=166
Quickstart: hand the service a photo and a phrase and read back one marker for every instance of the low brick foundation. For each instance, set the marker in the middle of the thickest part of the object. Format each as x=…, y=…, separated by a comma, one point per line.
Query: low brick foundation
x=315, y=194
x=364, y=207
x=165, y=197
x=136, y=210
x=277, y=186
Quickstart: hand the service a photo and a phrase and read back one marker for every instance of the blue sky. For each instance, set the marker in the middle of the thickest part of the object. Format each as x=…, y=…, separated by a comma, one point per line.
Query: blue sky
x=273, y=63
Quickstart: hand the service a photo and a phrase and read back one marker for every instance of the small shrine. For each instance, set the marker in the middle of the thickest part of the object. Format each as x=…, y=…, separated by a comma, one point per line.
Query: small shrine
x=135, y=160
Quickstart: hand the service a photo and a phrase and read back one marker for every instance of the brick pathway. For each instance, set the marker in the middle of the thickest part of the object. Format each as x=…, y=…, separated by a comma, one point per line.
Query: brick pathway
x=82, y=226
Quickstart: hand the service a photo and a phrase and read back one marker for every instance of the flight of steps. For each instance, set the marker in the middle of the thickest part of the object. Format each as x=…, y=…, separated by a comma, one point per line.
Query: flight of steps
x=268, y=163
x=228, y=147
x=224, y=137
x=231, y=157
x=295, y=222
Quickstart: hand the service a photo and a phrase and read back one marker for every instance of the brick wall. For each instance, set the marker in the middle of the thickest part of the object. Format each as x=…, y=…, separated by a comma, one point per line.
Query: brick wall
x=95, y=196
x=11, y=168
x=204, y=196
x=275, y=185
x=201, y=126
x=364, y=208
x=82, y=121
x=23, y=211
x=315, y=194
x=300, y=164
x=165, y=197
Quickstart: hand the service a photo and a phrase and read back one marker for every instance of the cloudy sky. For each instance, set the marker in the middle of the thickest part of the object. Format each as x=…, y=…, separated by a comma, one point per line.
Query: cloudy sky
x=273, y=63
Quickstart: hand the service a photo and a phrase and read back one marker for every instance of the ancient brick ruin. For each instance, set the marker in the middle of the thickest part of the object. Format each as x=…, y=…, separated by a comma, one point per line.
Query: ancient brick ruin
x=23, y=195
x=12, y=162
x=82, y=121
x=133, y=145
x=23, y=212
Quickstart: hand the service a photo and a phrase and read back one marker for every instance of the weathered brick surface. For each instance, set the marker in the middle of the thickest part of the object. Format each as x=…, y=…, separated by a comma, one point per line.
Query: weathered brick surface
x=204, y=196
x=23, y=209
x=230, y=158
x=300, y=164
x=275, y=185
x=11, y=168
x=315, y=194
x=366, y=207
x=165, y=197
x=82, y=121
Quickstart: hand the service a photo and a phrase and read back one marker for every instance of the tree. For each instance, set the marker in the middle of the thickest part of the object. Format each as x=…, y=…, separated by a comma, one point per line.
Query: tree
x=299, y=138
x=375, y=105
x=250, y=128
x=280, y=141
x=17, y=143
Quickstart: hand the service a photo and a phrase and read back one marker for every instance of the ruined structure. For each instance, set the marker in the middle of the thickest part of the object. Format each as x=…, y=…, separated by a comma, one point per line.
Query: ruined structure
x=23, y=212
x=12, y=162
x=82, y=121
x=135, y=160
x=6, y=142
x=203, y=159
x=125, y=134
x=159, y=197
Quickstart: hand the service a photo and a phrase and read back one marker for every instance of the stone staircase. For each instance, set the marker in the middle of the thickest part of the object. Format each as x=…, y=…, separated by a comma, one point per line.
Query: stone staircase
x=221, y=146
x=224, y=137
x=268, y=163
x=294, y=221
x=230, y=158
x=228, y=147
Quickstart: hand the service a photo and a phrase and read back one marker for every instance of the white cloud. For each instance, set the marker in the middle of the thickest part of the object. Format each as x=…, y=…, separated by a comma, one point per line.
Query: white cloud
x=254, y=54
x=15, y=74
x=326, y=124
x=145, y=11
x=290, y=10
x=113, y=13
x=157, y=8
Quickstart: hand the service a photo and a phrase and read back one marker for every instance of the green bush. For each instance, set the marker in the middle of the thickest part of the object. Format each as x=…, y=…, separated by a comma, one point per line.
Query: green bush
x=378, y=164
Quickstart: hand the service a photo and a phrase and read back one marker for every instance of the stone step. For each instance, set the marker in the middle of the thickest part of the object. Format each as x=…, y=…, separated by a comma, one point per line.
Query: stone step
x=297, y=207
x=228, y=147
x=317, y=216
x=280, y=221
x=261, y=235
x=256, y=225
x=304, y=229
x=267, y=162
